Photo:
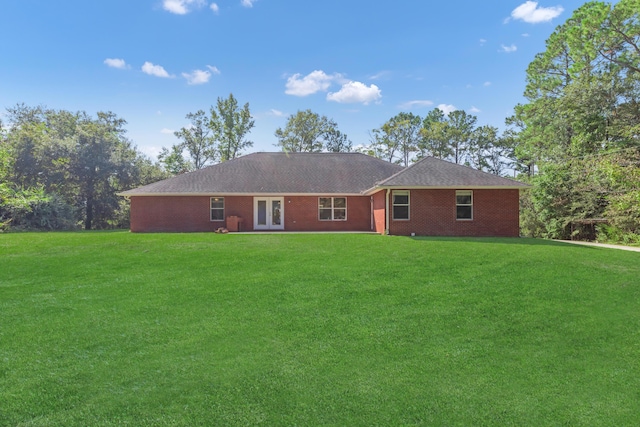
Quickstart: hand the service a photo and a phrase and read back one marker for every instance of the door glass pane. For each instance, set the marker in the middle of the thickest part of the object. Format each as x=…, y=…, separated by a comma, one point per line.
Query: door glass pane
x=262, y=212
x=275, y=212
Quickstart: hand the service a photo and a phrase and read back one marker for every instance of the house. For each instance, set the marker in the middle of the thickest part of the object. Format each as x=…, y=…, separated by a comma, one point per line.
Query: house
x=330, y=192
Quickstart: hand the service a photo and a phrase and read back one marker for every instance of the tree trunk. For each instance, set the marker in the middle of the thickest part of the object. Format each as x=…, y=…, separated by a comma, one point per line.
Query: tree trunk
x=89, y=213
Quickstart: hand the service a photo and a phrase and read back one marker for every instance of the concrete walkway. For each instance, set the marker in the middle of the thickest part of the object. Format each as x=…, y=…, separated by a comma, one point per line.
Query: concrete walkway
x=602, y=245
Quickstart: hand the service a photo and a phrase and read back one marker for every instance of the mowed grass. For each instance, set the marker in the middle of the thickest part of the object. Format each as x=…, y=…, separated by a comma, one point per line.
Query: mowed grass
x=113, y=328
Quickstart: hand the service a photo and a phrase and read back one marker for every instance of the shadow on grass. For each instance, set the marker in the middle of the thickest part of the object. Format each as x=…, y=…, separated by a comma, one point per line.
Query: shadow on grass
x=528, y=241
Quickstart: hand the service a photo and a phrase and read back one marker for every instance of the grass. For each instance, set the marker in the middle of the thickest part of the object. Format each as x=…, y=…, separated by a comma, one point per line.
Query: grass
x=113, y=328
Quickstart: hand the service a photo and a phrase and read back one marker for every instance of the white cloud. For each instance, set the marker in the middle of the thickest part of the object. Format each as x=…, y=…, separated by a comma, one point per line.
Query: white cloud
x=150, y=151
x=417, y=103
x=482, y=42
x=353, y=92
x=182, y=7
x=313, y=82
x=380, y=75
x=215, y=8
x=247, y=3
x=486, y=84
x=213, y=69
x=531, y=13
x=166, y=131
x=508, y=49
x=197, y=77
x=446, y=108
x=116, y=63
x=474, y=110
x=155, y=70
x=276, y=113
x=525, y=34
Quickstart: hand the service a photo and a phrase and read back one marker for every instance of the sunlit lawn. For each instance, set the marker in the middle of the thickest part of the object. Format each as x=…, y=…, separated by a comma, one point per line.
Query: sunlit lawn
x=113, y=328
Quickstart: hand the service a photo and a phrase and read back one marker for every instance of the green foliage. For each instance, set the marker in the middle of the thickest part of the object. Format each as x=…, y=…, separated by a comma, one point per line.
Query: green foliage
x=219, y=137
x=397, y=139
x=230, y=125
x=583, y=106
x=60, y=168
x=406, y=138
x=173, y=161
x=530, y=223
x=33, y=209
x=310, y=132
x=197, y=141
x=434, y=139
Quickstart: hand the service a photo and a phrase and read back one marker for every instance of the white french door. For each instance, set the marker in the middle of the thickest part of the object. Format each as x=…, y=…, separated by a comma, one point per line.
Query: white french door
x=268, y=213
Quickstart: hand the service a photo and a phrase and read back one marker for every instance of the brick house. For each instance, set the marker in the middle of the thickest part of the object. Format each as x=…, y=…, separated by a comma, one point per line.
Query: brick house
x=330, y=192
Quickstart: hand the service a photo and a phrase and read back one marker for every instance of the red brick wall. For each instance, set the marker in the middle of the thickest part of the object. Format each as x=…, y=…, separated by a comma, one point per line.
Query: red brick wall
x=192, y=213
x=379, y=214
x=433, y=213
x=301, y=214
x=184, y=213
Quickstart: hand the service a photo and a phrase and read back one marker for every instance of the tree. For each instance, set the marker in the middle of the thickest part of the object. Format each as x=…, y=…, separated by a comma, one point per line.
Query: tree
x=230, y=125
x=197, y=140
x=173, y=161
x=65, y=168
x=307, y=131
x=460, y=133
x=337, y=142
x=398, y=136
x=488, y=151
x=434, y=138
x=583, y=104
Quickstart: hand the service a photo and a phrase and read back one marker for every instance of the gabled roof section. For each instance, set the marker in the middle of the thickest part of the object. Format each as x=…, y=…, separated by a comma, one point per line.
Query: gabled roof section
x=431, y=172
x=278, y=173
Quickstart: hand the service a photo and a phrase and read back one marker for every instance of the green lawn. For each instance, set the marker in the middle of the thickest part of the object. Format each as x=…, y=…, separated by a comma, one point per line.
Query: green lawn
x=113, y=328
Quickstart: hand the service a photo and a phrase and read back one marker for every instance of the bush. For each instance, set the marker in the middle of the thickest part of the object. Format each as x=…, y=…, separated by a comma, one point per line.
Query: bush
x=613, y=234
x=33, y=209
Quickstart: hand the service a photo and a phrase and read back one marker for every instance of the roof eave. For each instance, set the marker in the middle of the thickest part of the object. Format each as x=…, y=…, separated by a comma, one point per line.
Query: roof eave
x=222, y=193
x=446, y=187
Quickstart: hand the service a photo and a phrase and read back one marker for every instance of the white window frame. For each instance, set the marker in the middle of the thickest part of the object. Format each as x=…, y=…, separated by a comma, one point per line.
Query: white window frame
x=408, y=204
x=333, y=208
x=211, y=209
x=464, y=193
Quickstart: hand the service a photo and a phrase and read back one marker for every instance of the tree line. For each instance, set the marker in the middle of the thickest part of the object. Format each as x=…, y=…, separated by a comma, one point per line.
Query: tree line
x=61, y=170
x=578, y=134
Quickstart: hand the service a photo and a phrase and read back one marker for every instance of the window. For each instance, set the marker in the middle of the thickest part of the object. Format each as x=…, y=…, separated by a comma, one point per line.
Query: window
x=332, y=208
x=464, y=205
x=217, y=209
x=400, y=205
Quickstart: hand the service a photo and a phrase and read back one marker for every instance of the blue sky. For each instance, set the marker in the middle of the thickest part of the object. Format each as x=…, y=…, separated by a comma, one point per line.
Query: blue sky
x=359, y=62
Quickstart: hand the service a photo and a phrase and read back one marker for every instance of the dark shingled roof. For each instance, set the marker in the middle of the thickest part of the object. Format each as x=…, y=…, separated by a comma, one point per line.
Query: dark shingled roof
x=432, y=172
x=278, y=173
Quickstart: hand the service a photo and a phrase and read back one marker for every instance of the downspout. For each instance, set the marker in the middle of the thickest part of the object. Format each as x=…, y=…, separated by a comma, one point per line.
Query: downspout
x=372, y=219
x=386, y=213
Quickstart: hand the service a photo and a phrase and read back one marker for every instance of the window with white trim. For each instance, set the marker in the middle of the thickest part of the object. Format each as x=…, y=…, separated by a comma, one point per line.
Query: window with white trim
x=400, y=204
x=217, y=209
x=332, y=208
x=464, y=204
